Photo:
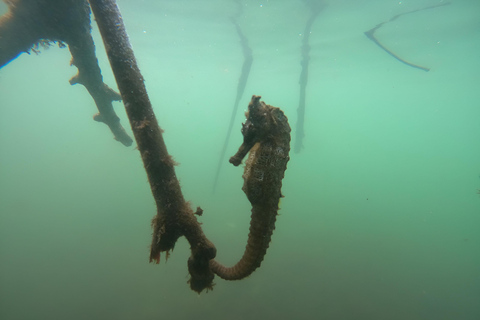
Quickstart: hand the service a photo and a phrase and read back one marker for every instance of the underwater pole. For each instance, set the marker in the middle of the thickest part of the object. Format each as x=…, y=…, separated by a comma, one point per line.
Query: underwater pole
x=316, y=7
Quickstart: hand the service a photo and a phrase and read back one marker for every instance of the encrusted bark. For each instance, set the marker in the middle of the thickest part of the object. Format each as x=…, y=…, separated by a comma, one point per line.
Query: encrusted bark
x=30, y=23
x=267, y=137
x=174, y=216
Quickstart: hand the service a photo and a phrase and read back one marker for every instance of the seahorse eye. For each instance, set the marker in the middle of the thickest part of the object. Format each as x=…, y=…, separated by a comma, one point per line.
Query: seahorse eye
x=279, y=115
x=243, y=128
x=246, y=127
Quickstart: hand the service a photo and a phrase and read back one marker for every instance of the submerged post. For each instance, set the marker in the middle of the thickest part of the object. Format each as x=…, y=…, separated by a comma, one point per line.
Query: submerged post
x=174, y=216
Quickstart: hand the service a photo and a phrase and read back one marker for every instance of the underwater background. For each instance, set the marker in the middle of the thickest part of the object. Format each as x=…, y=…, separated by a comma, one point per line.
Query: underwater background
x=381, y=213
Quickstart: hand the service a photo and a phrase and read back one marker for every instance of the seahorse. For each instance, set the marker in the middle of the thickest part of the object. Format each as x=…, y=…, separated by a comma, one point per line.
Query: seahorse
x=266, y=135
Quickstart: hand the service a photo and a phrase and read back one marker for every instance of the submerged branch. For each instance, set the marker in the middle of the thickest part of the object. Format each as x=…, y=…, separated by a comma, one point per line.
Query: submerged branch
x=242, y=82
x=29, y=25
x=174, y=216
x=371, y=35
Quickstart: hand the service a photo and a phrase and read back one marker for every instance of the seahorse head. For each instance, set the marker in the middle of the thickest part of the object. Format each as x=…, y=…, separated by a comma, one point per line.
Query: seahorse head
x=264, y=123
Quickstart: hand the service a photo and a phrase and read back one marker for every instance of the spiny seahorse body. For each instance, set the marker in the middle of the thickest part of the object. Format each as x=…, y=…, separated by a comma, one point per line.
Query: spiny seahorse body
x=267, y=137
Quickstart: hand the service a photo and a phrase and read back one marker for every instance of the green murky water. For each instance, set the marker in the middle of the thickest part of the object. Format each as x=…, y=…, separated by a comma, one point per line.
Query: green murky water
x=381, y=214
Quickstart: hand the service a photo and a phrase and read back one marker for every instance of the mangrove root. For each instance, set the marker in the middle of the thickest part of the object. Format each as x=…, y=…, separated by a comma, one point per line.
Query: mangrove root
x=29, y=24
x=371, y=35
x=315, y=6
x=242, y=82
